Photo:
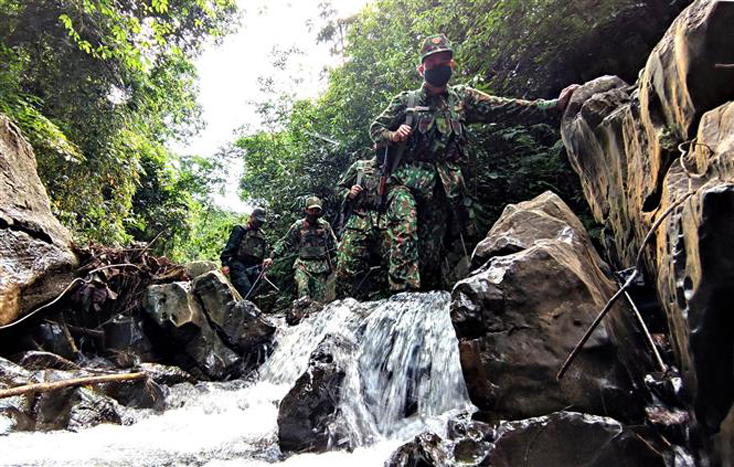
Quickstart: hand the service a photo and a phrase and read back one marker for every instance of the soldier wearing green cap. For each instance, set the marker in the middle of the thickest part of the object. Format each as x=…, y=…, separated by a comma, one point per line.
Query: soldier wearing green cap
x=313, y=240
x=430, y=191
x=243, y=256
x=362, y=246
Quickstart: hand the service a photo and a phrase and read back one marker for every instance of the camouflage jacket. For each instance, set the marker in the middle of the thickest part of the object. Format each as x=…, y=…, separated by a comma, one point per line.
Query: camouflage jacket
x=435, y=147
x=246, y=244
x=364, y=213
x=314, y=245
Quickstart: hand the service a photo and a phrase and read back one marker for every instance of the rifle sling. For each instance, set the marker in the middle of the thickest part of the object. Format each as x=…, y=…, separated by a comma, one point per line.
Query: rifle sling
x=408, y=121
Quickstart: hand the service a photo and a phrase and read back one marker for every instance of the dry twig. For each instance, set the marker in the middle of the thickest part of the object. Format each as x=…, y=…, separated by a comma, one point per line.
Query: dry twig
x=56, y=385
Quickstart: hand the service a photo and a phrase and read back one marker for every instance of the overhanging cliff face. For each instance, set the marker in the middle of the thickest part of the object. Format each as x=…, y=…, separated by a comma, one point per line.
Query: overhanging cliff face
x=623, y=141
x=36, y=260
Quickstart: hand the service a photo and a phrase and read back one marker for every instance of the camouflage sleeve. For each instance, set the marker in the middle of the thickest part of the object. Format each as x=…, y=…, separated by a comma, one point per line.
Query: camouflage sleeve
x=230, y=249
x=389, y=120
x=347, y=181
x=483, y=108
x=288, y=243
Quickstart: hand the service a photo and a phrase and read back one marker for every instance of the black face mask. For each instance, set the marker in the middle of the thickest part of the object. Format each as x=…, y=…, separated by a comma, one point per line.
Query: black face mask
x=311, y=218
x=438, y=76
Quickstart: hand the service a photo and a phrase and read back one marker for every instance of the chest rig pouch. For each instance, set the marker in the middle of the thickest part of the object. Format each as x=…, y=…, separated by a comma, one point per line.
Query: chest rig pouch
x=313, y=243
x=369, y=179
x=252, y=245
x=440, y=131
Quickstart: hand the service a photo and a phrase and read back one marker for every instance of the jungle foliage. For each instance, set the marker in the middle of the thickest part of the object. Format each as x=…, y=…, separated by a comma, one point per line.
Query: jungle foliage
x=529, y=49
x=98, y=86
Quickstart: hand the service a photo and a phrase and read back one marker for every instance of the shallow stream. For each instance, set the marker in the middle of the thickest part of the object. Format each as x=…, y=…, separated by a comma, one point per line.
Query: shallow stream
x=407, y=352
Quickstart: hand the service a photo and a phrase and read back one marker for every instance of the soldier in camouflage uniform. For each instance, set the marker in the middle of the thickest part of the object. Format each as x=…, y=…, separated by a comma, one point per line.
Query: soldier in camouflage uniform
x=362, y=239
x=243, y=256
x=314, y=241
x=432, y=190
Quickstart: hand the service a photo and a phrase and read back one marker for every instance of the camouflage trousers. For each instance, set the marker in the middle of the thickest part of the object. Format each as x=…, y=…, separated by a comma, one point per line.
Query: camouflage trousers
x=417, y=230
x=311, y=281
x=361, y=250
x=402, y=232
x=243, y=277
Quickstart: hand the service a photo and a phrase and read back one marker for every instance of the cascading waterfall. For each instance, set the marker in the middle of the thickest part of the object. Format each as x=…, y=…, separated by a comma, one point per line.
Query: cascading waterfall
x=404, y=379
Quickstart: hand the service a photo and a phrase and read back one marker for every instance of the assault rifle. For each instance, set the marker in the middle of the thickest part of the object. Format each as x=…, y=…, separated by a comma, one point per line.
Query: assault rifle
x=393, y=155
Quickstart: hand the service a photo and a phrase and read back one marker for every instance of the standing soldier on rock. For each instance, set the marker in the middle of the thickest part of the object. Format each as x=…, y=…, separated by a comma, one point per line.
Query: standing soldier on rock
x=243, y=256
x=313, y=240
x=429, y=190
x=362, y=239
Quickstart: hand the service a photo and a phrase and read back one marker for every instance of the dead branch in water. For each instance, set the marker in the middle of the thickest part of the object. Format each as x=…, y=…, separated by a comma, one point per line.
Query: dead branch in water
x=56, y=385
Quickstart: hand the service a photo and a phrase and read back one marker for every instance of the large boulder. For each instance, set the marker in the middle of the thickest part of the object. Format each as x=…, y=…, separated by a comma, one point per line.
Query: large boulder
x=36, y=260
x=239, y=321
x=572, y=439
x=695, y=267
x=624, y=143
x=177, y=310
x=520, y=315
x=561, y=439
x=308, y=417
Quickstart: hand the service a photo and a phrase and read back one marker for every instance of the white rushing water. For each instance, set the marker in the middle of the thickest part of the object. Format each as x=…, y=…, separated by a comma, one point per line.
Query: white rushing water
x=405, y=379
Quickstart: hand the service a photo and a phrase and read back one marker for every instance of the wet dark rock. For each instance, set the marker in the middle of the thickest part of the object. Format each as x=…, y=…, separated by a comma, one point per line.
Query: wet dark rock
x=666, y=387
x=13, y=374
x=215, y=294
x=425, y=450
x=72, y=408
x=240, y=322
x=301, y=309
x=308, y=417
x=89, y=408
x=561, y=439
x=177, y=310
x=36, y=259
x=37, y=360
x=55, y=338
x=167, y=375
x=472, y=440
x=671, y=422
x=125, y=334
x=520, y=315
x=15, y=412
x=571, y=439
x=249, y=326
x=140, y=394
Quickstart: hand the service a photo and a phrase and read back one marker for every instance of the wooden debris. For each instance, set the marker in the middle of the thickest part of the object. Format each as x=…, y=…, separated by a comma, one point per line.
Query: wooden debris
x=56, y=385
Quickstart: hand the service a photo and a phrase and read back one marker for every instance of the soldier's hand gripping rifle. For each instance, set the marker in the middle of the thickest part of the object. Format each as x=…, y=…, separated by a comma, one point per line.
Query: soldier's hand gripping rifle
x=348, y=206
x=393, y=155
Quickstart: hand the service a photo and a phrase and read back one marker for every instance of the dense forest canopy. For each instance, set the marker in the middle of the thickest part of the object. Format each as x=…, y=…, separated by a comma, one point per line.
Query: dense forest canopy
x=98, y=86
x=529, y=49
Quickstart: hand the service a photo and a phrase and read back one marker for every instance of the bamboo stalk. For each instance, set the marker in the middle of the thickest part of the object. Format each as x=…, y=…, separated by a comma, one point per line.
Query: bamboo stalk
x=56, y=385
